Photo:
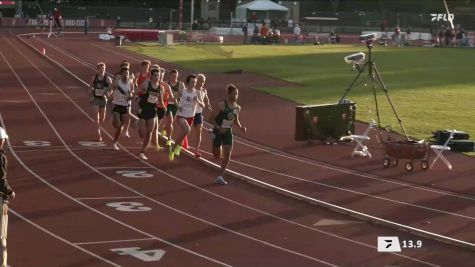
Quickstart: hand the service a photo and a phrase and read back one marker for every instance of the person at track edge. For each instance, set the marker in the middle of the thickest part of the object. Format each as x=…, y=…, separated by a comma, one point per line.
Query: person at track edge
x=122, y=93
x=58, y=20
x=99, y=92
x=198, y=120
x=151, y=94
x=225, y=115
x=5, y=190
x=188, y=99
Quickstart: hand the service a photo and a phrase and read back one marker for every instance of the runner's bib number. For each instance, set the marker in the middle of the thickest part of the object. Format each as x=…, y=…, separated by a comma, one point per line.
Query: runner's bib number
x=189, y=105
x=227, y=124
x=152, y=99
x=122, y=98
x=99, y=92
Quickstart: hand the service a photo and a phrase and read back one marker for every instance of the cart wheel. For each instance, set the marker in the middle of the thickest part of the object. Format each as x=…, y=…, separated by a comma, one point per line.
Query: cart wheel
x=408, y=166
x=386, y=162
x=395, y=162
x=424, y=164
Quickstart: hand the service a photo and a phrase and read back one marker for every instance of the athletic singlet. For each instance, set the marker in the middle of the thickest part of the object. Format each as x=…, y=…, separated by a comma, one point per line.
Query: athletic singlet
x=175, y=88
x=100, y=86
x=187, y=103
x=121, y=94
x=226, y=118
x=165, y=96
x=141, y=79
x=201, y=95
x=151, y=96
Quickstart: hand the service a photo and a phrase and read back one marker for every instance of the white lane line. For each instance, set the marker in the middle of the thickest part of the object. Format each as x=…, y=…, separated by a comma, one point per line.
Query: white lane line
x=347, y=171
x=308, y=180
x=138, y=193
x=248, y=207
x=113, y=241
x=41, y=150
x=49, y=146
x=72, y=153
x=58, y=237
x=121, y=167
x=46, y=33
x=106, y=198
x=25, y=150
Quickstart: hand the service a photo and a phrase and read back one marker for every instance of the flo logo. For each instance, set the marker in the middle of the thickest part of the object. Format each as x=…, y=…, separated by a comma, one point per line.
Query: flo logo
x=444, y=17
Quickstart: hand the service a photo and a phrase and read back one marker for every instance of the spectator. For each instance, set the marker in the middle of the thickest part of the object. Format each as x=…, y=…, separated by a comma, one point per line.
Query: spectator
x=383, y=25
x=5, y=188
x=244, y=32
x=86, y=25
x=200, y=23
x=264, y=32
x=194, y=26
x=408, y=36
x=269, y=37
x=397, y=36
x=58, y=19
x=332, y=38
x=450, y=36
x=118, y=21
x=460, y=36
x=254, y=17
x=297, y=33
x=159, y=22
x=440, y=39
x=276, y=36
x=383, y=40
x=255, y=34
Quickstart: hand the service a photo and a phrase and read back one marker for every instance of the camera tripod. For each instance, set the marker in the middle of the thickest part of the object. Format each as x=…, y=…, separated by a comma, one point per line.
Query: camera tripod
x=374, y=78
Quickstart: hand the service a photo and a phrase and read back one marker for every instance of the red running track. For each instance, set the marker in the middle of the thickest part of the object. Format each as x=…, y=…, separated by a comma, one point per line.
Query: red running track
x=428, y=207
x=178, y=209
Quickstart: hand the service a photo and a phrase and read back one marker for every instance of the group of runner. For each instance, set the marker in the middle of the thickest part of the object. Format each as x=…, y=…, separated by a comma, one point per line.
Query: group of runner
x=154, y=101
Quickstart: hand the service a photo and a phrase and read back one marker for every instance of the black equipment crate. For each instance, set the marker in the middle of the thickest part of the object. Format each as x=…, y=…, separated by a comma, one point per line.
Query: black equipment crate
x=442, y=135
x=462, y=145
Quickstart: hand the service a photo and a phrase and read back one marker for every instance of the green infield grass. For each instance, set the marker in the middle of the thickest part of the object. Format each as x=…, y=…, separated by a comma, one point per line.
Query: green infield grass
x=431, y=88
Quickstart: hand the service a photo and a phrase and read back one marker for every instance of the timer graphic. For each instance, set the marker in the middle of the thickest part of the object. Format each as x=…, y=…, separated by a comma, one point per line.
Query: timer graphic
x=392, y=244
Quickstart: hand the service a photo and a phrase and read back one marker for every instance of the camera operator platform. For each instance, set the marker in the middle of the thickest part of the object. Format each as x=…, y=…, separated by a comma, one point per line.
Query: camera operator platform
x=374, y=77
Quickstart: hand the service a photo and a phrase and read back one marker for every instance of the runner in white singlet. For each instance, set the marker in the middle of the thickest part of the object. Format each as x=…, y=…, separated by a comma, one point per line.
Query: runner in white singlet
x=122, y=93
x=188, y=99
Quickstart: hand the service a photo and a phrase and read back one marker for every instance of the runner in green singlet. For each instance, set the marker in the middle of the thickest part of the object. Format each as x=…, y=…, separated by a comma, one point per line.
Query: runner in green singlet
x=223, y=118
x=176, y=87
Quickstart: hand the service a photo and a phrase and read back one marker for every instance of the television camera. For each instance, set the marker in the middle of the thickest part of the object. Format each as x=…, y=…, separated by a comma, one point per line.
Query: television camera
x=356, y=59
